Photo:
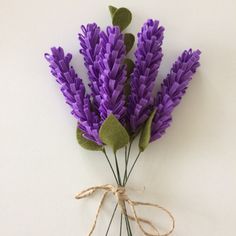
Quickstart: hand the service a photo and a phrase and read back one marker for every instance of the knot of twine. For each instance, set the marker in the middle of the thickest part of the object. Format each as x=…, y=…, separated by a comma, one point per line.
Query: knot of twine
x=122, y=199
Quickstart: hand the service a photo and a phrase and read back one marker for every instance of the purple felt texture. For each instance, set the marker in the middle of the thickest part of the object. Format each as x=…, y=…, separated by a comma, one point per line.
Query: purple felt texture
x=104, y=54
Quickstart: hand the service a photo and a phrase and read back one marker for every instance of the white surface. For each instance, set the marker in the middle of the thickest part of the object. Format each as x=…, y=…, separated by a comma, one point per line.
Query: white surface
x=191, y=170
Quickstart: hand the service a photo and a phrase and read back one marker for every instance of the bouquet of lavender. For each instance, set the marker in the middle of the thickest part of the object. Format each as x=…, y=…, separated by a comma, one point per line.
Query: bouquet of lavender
x=120, y=106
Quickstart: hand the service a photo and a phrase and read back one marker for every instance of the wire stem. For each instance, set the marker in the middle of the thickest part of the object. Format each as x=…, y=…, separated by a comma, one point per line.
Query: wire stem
x=104, y=151
x=118, y=181
x=127, y=224
x=117, y=170
x=121, y=221
x=131, y=169
x=112, y=217
x=127, y=156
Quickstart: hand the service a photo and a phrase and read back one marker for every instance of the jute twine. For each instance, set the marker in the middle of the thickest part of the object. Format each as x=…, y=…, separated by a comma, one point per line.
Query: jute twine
x=122, y=199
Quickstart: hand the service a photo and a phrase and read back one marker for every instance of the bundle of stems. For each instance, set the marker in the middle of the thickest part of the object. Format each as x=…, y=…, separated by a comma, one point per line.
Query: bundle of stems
x=122, y=183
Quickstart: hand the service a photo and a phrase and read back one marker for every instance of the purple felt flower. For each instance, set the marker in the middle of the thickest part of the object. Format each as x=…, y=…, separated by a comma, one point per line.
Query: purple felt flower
x=112, y=74
x=74, y=91
x=148, y=58
x=90, y=48
x=172, y=90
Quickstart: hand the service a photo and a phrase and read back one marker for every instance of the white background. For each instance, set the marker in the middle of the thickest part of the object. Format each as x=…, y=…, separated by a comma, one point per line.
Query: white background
x=191, y=170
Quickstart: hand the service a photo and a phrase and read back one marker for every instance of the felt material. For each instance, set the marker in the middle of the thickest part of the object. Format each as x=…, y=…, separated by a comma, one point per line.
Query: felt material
x=129, y=41
x=148, y=57
x=113, y=133
x=112, y=74
x=90, y=48
x=173, y=88
x=112, y=10
x=86, y=143
x=146, y=133
x=129, y=68
x=73, y=89
x=122, y=18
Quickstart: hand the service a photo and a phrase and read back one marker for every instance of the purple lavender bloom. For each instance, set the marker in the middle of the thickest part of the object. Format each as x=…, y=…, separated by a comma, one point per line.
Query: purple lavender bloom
x=172, y=90
x=89, y=41
x=148, y=58
x=74, y=91
x=112, y=74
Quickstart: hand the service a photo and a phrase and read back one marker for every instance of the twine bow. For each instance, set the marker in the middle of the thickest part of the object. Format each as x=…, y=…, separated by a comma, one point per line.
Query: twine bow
x=122, y=198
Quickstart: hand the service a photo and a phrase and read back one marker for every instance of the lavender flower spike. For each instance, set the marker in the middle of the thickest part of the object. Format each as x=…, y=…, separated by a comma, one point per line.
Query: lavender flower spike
x=172, y=90
x=89, y=41
x=112, y=74
x=74, y=91
x=148, y=58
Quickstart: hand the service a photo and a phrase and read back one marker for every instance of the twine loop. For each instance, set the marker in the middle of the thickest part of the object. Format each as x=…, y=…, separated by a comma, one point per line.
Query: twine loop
x=122, y=199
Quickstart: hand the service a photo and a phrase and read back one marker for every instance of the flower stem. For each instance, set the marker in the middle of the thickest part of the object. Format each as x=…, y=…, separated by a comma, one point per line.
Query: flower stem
x=104, y=151
x=119, y=183
x=132, y=167
x=112, y=217
x=117, y=169
x=127, y=225
x=121, y=221
x=127, y=155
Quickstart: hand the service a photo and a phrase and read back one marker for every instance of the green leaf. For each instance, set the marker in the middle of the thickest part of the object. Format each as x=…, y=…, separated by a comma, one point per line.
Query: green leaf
x=129, y=66
x=127, y=90
x=129, y=41
x=113, y=133
x=85, y=143
x=122, y=17
x=112, y=10
x=146, y=133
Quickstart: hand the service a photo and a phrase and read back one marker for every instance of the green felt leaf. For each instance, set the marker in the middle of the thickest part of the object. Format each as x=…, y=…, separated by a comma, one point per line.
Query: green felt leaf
x=129, y=66
x=112, y=10
x=113, y=133
x=85, y=143
x=146, y=133
x=129, y=41
x=122, y=17
x=127, y=89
